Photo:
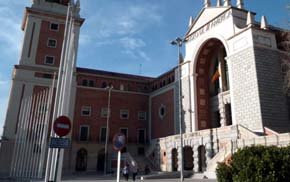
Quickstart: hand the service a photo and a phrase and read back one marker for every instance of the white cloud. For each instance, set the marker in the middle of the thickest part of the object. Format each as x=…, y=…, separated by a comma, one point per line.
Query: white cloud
x=121, y=19
x=133, y=48
x=132, y=43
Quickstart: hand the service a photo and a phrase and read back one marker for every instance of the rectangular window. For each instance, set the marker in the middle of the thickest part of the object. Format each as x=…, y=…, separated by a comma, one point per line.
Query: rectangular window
x=86, y=111
x=48, y=76
x=54, y=26
x=49, y=60
x=88, y=83
x=124, y=131
x=103, y=135
x=141, y=136
x=51, y=43
x=124, y=114
x=85, y=82
x=91, y=83
x=104, y=112
x=142, y=115
x=84, y=133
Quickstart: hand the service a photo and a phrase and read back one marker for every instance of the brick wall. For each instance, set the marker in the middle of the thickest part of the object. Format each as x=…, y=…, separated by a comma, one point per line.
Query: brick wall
x=161, y=127
x=98, y=98
x=43, y=49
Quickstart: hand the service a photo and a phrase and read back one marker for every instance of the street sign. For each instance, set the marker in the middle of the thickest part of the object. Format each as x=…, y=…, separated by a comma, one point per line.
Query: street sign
x=119, y=141
x=59, y=142
x=62, y=126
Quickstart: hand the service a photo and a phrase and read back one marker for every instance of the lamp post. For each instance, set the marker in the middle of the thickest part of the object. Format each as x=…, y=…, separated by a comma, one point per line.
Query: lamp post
x=178, y=42
x=109, y=88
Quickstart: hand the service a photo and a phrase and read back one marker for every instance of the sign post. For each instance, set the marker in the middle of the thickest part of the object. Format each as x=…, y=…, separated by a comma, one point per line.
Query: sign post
x=119, y=142
x=61, y=127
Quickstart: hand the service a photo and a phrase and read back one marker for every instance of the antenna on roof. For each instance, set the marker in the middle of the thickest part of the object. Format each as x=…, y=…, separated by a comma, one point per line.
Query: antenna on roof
x=140, y=69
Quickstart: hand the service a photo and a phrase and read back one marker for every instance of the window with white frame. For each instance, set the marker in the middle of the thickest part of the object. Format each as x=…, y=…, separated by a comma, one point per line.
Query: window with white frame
x=124, y=114
x=103, y=134
x=86, y=111
x=49, y=60
x=54, y=26
x=104, y=112
x=84, y=133
x=142, y=115
x=51, y=43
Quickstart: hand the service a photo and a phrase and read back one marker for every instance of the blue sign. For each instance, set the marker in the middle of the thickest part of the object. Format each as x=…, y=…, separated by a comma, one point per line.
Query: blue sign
x=59, y=142
x=119, y=141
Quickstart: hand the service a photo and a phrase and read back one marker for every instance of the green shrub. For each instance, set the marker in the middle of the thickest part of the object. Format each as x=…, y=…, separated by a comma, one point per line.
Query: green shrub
x=257, y=164
x=224, y=173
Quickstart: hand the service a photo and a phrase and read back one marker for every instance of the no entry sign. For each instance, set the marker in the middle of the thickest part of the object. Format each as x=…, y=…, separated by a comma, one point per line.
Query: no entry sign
x=62, y=126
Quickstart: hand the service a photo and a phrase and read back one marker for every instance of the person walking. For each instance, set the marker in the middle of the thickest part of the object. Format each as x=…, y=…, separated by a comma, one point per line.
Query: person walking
x=125, y=172
x=134, y=170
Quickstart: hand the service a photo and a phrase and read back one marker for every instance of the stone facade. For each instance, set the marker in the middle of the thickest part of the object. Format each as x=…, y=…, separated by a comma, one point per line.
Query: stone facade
x=234, y=83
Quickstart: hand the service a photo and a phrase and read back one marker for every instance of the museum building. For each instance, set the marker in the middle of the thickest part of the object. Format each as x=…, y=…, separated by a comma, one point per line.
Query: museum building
x=233, y=91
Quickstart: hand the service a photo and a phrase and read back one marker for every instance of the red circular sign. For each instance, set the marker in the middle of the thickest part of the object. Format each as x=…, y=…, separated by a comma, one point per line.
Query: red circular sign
x=119, y=141
x=62, y=126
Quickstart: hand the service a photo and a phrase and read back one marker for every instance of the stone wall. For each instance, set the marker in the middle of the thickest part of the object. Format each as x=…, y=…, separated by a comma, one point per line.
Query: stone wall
x=270, y=83
x=245, y=90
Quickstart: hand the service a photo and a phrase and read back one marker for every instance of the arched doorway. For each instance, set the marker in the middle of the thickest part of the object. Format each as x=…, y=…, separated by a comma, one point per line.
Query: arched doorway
x=174, y=159
x=201, y=159
x=188, y=158
x=212, y=83
x=101, y=160
x=81, y=160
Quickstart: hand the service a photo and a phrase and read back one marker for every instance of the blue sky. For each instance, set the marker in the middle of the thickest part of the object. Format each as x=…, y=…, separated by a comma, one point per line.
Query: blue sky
x=129, y=36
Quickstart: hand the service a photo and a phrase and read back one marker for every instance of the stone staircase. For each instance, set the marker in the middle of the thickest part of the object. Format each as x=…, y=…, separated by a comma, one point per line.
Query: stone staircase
x=223, y=142
x=234, y=145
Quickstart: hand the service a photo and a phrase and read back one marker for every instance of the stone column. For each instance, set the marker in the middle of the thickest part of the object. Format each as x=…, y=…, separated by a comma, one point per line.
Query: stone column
x=215, y=147
x=169, y=159
x=208, y=152
x=179, y=150
x=222, y=110
x=195, y=158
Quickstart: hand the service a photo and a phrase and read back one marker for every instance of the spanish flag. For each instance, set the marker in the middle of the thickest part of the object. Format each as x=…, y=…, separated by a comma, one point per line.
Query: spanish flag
x=215, y=76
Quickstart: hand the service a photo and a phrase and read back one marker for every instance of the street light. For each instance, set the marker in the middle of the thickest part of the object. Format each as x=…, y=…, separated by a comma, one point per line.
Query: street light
x=178, y=42
x=109, y=88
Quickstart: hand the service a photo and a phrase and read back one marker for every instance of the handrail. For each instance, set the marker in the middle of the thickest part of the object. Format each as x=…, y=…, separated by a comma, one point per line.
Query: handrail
x=244, y=132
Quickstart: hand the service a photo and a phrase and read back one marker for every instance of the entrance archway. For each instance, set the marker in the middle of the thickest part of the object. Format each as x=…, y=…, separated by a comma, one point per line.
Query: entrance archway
x=174, y=159
x=201, y=159
x=211, y=83
x=101, y=160
x=81, y=160
x=188, y=158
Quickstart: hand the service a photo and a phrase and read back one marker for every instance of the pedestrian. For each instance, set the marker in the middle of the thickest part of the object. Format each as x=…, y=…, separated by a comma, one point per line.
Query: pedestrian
x=125, y=172
x=147, y=170
x=134, y=170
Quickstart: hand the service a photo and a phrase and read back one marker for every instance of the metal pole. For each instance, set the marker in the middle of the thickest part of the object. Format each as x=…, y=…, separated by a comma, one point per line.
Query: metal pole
x=107, y=129
x=179, y=112
x=178, y=41
x=119, y=166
